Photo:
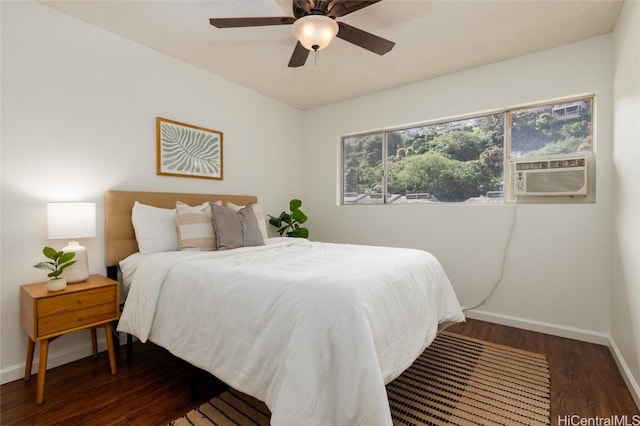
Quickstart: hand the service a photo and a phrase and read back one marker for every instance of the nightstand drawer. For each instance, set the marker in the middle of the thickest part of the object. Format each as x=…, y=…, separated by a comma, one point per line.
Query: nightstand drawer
x=75, y=310
x=65, y=321
x=74, y=301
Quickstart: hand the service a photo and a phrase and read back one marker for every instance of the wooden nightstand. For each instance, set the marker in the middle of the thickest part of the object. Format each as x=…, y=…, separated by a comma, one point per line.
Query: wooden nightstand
x=45, y=315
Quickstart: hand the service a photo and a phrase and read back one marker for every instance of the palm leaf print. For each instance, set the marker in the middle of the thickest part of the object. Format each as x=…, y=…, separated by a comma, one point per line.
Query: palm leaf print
x=189, y=151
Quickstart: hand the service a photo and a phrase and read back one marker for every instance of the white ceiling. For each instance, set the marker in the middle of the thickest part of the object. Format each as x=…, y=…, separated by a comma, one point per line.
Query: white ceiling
x=432, y=38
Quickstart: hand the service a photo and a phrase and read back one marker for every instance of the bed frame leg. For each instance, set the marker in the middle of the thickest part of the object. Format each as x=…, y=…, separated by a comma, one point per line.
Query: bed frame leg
x=129, y=348
x=112, y=272
x=193, y=390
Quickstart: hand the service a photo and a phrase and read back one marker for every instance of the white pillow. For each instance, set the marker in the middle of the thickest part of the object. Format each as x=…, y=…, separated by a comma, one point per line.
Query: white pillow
x=257, y=210
x=155, y=228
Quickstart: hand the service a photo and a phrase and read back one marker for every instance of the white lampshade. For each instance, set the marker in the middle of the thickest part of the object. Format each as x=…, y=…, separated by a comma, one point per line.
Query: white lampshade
x=73, y=220
x=315, y=32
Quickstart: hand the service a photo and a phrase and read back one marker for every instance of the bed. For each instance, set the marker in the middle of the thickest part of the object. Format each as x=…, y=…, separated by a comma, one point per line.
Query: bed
x=315, y=330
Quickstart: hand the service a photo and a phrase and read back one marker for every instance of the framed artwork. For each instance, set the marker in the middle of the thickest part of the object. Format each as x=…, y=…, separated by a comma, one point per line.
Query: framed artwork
x=189, y=151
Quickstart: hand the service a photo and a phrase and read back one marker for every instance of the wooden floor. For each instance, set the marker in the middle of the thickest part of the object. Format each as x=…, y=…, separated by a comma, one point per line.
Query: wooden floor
x=155, y=389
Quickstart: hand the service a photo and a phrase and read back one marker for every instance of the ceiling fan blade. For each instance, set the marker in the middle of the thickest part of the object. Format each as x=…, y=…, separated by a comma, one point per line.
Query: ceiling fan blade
x=338, y=8
x=299, y=56
x=301, y=8
x=257, y=21
x=366, y=40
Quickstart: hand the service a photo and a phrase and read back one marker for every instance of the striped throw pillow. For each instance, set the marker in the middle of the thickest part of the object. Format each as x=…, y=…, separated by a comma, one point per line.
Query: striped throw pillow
x=195, y=229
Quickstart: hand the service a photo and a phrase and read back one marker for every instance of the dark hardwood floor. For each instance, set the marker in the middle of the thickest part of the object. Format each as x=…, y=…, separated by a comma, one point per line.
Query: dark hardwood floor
x=585, y=380
x=154, y=389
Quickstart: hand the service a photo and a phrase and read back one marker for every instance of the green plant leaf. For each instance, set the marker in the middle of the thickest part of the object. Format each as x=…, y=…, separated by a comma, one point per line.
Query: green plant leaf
x=65, y=257
x=64, y=266
x=47, y=266
x=284, y=217
x=274, y=221
x=299, y=233
x=295, y=204
x=298, y=216
x=49, y=253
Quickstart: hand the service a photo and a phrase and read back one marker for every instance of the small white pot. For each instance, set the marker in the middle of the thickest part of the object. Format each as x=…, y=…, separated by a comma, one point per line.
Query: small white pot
x=56, y=284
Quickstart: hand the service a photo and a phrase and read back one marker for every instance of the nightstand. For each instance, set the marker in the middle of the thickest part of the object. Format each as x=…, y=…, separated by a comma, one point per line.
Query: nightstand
x=45, y=315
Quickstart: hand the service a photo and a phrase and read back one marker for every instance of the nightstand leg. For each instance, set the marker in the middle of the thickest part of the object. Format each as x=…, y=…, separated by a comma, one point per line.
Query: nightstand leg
x=31, y=346
x=42, y=370
x=94, y=342
x=112, y=352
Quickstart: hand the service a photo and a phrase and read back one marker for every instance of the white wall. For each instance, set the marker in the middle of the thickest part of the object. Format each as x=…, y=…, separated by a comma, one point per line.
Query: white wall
x=625, y=246
x=78, y=118
x=557, y=269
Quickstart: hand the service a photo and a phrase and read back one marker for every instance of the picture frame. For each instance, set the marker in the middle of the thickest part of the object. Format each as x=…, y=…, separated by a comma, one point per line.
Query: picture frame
x=186, y=150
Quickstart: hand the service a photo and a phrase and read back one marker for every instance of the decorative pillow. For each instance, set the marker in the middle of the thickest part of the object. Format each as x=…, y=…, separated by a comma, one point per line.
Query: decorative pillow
x=195, y=229
x=235, y=229
x=155, y=228
x=257, y=210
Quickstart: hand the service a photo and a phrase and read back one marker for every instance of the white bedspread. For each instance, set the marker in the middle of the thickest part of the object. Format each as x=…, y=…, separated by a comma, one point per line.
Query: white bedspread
x=315, y=330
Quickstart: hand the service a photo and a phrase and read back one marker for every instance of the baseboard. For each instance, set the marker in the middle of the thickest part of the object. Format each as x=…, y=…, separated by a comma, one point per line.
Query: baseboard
x=55, y=359
x=540, y=326
x=631, y=382
x=568, y=332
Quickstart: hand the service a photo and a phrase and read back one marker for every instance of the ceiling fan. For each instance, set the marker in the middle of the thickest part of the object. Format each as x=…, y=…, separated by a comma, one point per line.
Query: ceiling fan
x=313, y=24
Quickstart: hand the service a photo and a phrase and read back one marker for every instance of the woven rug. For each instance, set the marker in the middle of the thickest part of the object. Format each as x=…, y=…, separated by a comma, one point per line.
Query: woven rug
x=457, y=380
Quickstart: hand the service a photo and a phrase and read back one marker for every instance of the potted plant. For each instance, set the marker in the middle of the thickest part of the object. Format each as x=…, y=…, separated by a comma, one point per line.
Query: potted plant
x=58, y=262
x=289, y=223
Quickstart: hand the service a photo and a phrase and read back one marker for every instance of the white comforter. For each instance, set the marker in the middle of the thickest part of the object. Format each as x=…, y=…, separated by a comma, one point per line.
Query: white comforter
x=315, y=330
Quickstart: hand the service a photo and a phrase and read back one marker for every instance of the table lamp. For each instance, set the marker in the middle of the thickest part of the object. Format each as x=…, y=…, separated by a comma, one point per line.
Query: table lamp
x=73, y=221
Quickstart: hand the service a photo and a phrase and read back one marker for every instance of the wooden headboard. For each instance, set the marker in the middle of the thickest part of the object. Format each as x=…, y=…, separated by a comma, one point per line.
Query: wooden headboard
x=119, y=235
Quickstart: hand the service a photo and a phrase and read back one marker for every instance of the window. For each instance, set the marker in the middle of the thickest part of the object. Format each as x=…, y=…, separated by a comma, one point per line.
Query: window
x=363, y=169
x=551, y=129
x=461, y=160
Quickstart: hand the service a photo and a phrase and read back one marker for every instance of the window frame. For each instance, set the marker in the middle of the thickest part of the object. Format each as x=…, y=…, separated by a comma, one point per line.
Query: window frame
x=508, y=193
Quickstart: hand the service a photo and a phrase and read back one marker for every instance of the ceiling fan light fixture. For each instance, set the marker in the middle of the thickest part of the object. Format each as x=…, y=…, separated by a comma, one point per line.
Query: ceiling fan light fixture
x=315, y=32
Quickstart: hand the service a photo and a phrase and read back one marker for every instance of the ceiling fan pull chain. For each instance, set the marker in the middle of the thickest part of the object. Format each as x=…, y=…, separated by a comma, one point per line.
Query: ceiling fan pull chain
x=316, y=57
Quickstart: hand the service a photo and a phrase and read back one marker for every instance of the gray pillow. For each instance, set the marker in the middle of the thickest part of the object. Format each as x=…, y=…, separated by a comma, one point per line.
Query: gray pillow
x=235, y=229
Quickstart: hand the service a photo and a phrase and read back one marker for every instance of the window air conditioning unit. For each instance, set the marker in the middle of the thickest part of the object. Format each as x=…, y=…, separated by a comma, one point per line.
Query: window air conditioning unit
x=564, y=175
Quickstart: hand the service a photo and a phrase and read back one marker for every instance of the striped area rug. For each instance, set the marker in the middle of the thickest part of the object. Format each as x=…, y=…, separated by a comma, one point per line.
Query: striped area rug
x=457, y=380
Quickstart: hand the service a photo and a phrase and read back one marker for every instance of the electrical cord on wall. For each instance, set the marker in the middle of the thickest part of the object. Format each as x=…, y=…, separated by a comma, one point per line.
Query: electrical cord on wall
x=504, y=259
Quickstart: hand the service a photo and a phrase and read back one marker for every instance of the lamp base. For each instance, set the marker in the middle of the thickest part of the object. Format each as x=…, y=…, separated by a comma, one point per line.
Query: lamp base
x=79, y=271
